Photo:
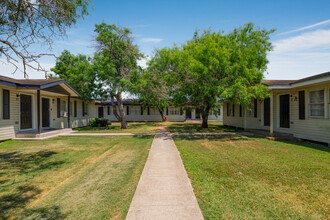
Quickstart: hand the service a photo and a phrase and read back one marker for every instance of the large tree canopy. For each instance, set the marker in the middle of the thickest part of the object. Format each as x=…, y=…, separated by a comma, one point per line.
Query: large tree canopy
x=79, y=72
x=24, y=23
x=213, y=66
x=151, y=87
x=116, y=63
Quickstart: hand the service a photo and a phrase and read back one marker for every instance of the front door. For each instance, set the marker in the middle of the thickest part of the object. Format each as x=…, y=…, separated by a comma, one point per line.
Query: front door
x=26, y=111
x=45, y=112
x=101, y=112
x=188, y=113
x=267, y=112
x=285, y=111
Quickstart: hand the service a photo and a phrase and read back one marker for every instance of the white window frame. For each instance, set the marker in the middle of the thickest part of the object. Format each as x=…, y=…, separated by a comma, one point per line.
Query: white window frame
x=317, y=103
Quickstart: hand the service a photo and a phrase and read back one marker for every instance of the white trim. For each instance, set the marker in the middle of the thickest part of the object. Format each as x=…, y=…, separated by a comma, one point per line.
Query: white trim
x=309, y=82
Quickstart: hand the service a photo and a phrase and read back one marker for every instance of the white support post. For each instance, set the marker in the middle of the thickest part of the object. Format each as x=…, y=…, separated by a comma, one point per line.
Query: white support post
x=271, y=127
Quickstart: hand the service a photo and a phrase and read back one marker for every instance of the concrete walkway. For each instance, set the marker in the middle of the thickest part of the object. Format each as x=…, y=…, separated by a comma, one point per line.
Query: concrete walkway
x=164, y=190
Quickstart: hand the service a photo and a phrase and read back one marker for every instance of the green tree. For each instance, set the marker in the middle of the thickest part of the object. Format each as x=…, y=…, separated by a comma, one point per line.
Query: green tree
x=116, y=63
x=25, y=22
x=213, y=66
x=152, y=89
x=79, y=72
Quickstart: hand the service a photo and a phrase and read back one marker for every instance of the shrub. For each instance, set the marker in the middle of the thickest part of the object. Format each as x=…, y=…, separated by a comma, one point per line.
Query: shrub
x=99, y=122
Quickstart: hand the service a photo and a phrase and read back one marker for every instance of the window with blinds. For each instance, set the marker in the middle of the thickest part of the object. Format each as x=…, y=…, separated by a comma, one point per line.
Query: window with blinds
x=316, y=103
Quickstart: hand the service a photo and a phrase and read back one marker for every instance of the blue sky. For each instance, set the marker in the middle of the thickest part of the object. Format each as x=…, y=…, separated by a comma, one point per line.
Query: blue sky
x=302, y=39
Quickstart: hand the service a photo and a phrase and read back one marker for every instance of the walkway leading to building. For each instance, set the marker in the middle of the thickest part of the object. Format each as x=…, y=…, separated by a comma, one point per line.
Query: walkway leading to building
x=164, y=190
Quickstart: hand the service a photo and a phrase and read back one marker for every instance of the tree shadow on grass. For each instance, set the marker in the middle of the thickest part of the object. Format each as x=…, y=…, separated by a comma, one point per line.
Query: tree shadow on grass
x=16, y=199
x=19, y=163
x=50, y=213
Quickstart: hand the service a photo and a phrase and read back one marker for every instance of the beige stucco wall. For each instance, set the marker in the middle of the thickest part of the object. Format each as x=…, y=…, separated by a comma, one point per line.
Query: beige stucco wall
x=9, y=127
x=312, y=128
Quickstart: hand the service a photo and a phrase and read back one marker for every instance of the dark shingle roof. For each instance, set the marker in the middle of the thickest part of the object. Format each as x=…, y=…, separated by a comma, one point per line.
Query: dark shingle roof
x=289, y=82
x=277, y=82
x=32, y=82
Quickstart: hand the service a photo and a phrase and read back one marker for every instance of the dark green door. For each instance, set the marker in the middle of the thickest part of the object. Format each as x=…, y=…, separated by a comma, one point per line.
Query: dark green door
x=267, y=112
x=45, y=112
x=26, y=111
x=285, y=111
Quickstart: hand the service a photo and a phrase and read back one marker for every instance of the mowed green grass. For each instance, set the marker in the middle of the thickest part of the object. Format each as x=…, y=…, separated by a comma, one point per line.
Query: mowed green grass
x=254, y=178
x=193, y=127
x=133, y=127
x=71, y=177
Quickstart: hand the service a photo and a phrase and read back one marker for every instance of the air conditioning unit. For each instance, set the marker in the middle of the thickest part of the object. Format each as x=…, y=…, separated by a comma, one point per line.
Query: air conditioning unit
x=64, y=114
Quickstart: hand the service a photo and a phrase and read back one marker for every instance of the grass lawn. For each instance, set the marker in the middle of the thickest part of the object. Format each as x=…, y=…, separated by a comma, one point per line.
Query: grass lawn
x=254, y=178
x=193, y=127
x=70, y=177
x=133, y=127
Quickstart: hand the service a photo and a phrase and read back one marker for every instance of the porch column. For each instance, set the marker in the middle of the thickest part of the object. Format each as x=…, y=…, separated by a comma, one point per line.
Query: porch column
x=271, y=127
x=69, y=124
x=38, y=111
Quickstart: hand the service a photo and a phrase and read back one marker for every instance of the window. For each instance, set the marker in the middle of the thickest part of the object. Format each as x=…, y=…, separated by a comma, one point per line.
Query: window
x=181, y=111
x=58, y=107
x=6, y=104
x=127, y=110
x=255, y=108
x=316, y=103
x=84, y=109
x=108, y=110
x=63, y=109
x=240, y=111
x=141, y=110
x=301, y=105
x=228, y=109
x=233, y=110
x=75, y=108
x=148, y=110
x=166, y=111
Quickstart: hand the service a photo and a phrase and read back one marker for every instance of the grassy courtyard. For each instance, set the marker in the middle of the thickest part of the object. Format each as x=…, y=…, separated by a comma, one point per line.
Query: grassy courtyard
x=76, y=177
x=195, y=126
x=133, y=127
x=254, y=178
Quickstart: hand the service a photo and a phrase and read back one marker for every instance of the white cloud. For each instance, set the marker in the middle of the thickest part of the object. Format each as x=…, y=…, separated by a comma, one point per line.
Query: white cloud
x=300, y=56
x=306, y=27
x=151, y=40
x=297, y=65
x=311, y=40
x=143, y=62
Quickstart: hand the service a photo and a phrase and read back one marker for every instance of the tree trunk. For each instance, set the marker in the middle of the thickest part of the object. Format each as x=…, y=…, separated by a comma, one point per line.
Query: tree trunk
x=205, y=115
x=121, y=111
x=161, y=111
x=115, y=108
